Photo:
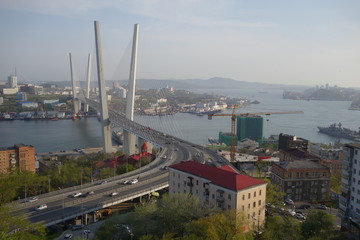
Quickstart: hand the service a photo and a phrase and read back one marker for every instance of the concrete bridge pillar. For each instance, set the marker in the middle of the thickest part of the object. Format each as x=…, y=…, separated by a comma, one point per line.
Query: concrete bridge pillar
x=129, y=143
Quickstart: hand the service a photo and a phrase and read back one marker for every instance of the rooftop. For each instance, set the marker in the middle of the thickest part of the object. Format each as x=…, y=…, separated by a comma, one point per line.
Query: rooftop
x=223, y=176
x=300, y=164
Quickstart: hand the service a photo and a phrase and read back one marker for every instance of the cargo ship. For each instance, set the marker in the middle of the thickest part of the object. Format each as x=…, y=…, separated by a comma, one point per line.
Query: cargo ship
x=336, y=130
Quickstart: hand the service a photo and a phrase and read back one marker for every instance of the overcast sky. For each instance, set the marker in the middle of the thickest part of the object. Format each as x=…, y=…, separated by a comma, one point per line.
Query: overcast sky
x=307, y=42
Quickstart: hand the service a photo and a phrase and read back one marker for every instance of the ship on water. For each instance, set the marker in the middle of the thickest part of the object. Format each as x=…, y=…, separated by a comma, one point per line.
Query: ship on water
x=336, y=130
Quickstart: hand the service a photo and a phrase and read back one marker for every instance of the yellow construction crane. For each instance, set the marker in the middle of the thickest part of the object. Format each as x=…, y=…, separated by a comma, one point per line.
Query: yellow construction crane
x=233, y=127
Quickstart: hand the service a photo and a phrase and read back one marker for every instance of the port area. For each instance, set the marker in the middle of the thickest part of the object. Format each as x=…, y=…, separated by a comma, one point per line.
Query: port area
x=77, y=151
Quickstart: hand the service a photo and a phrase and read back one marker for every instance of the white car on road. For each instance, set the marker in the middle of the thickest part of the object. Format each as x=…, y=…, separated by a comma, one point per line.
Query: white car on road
x=41, y=207
x=133, y=181
x=114, y=194
x=78, y=194
x=33, y=199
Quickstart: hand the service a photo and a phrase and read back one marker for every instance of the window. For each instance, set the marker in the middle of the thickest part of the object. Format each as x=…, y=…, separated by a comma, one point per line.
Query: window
x=254, y=194
x=243, y=207
x=249, y=195
x=229, y=197
x=243, y=198
x=254, y=204
x=355, y=152
x=249, y=206
x=229, y=207
x=289, y=175
x=197, y=182
x=213, y=196
x=184, y=191
x=260, y=192
x=259, y=203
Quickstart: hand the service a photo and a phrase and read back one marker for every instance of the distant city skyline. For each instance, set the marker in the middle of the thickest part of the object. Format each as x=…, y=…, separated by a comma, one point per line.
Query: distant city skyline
x=281, y=42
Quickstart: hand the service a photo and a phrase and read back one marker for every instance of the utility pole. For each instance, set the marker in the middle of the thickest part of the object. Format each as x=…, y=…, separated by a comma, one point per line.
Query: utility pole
x=49, y=183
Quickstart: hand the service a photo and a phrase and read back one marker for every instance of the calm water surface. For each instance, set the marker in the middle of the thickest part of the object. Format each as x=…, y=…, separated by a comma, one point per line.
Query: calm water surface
x=67, y=134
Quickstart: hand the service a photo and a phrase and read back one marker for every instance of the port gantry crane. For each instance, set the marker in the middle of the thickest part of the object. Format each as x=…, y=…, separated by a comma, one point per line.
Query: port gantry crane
x=233, y=127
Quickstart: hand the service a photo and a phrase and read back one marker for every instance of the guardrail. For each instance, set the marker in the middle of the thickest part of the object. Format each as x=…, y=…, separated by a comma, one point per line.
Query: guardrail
x=104, y=204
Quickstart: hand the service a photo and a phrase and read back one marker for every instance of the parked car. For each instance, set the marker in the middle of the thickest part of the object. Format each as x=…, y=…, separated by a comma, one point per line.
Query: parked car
x=300, y=216
x=68, y=236
x=78, y=194
x=304, y=206
x=322, y=207
x=77, y=227
x=126, y=181
x=33, y=199
x=87, y=231
x=114, y=194
x=41, y=207
x=291, y=212
x=289, y=202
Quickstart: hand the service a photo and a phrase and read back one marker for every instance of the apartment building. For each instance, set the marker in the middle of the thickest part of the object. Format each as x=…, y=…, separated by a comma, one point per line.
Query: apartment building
x=221, y=187
x=301, y=180
x=349, y=200
x=20, y=157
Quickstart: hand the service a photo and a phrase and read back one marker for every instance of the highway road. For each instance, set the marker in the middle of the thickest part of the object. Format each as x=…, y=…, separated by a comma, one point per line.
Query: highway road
x=61, y=206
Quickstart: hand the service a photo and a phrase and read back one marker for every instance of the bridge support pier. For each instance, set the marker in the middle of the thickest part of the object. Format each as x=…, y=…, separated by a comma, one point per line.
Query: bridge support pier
x=129, y=143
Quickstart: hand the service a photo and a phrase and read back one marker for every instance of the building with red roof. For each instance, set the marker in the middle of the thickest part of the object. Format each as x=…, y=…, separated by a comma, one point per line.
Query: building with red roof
x=221, y=187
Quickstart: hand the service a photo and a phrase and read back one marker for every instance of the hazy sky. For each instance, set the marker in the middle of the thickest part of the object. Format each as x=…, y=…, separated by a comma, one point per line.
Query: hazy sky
x=308, y=42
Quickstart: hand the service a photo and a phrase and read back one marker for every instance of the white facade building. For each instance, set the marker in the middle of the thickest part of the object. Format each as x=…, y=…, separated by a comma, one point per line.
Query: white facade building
x=349, y=199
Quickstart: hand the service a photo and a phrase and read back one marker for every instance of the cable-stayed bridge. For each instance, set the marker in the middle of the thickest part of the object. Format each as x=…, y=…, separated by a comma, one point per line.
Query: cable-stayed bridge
x=61, y=206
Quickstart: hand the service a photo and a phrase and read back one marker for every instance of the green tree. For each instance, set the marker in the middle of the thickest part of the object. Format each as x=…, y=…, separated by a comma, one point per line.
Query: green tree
x=125, y=168
x=280, y=228
x=318, y=224
x=224, y=225
x=335, y=182
x=8, y=186
x=18, y=228
x=158, y=219
x=273, y=195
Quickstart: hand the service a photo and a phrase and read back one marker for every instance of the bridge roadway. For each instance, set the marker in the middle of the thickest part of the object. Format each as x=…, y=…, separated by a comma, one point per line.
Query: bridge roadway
x=61, y=206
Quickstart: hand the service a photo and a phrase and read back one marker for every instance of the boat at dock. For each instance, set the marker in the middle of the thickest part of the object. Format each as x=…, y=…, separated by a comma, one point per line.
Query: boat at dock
x=336, y=130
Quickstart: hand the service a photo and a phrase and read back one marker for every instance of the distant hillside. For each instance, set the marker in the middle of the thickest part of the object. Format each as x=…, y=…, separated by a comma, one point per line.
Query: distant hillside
x=212, y=83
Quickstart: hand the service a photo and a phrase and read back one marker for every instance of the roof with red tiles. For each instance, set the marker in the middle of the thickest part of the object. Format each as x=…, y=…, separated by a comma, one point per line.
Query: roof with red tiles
x=220, y=176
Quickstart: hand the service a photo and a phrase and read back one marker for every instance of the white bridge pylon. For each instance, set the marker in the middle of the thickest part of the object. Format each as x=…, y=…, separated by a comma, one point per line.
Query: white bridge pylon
x=130, y=128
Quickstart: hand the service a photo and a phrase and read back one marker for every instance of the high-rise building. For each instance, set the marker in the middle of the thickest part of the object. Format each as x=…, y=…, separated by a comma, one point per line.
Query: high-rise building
x=349, y=200
x=250, y=127
x=12, y=81
x=19, y=157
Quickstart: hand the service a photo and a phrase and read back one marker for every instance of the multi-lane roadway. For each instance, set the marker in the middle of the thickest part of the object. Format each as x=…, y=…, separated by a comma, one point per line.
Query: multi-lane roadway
x=61, y=205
